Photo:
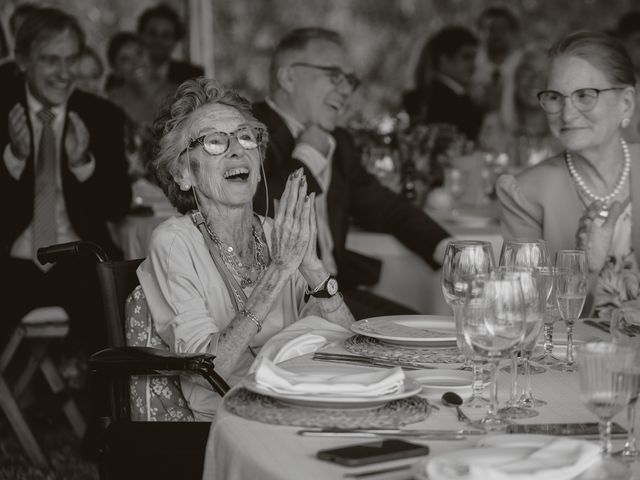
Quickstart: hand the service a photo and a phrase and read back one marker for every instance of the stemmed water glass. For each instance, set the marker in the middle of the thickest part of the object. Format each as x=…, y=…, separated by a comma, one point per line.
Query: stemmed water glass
x=547, y=278
x=527, y=253
x=624, y=331
x=571, y=291
x=606, y=382
x=493, y=322
x=463, y=260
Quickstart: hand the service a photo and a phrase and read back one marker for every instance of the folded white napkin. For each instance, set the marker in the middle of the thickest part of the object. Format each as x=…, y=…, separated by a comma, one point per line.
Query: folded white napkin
x=307, y=335
x=328, y=381
x=560, y=459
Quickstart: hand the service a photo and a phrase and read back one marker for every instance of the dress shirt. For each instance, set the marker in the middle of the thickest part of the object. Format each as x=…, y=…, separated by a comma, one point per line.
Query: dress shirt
x=320, y=167
x=23, y=246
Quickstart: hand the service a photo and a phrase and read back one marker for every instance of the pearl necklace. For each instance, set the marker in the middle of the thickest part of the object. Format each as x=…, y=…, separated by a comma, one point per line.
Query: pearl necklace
x=619, y=184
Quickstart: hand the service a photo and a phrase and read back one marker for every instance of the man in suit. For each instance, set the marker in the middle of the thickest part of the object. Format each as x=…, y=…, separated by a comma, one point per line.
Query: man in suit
x=453, y=52
x=162, y=29
x=63, y=176
x=311, y=81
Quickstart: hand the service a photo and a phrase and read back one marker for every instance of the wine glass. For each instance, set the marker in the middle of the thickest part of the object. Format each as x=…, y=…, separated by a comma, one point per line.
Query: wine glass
x=463, y=260
x=547, y=277
x=521, y=406
x=606, y=380
x=571, y=291
x=529, y=253
x=493, y=322
x=524, y=252
x=625, y=328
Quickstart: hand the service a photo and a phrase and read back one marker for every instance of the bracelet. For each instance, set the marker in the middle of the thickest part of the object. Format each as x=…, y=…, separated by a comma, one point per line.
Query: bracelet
x=251, y=316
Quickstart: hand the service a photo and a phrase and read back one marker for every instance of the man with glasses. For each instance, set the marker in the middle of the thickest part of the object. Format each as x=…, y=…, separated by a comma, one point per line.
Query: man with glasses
x=63, y=176
x=311, y=82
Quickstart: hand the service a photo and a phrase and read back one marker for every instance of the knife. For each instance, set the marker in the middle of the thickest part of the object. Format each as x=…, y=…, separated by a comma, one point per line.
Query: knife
x=598, y=325
x=367, y=433
x=374, y=362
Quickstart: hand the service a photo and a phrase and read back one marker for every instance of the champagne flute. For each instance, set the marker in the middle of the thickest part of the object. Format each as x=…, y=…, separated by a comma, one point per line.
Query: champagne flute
x=624, y=331
x=463, y=260
x=571, y=291
x=605, y=382
x=547, y=276
x=493, y=322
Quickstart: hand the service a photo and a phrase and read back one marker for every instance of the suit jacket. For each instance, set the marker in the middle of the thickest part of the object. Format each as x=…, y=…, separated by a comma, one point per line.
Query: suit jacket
x=443, y=105
x=181, y=71
x=353, y=194
x=104, y=196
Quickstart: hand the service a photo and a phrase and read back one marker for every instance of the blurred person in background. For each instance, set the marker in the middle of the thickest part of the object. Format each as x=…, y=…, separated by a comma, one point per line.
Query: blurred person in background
x=162, y=29
x=519, y=127
x=585, y=197
x=62, y=178
x=10, y=74
x=89, y=71
x=499, y=31
x=443, y=78
x=628, y=31
x=139, y=92
x=311, y=81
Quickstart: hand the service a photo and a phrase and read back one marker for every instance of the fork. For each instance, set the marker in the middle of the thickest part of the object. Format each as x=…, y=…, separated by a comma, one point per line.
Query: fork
x=362, y=360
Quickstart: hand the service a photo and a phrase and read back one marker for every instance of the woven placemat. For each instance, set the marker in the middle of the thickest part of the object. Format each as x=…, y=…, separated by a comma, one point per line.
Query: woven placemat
x=253, y=406
x=372, y=347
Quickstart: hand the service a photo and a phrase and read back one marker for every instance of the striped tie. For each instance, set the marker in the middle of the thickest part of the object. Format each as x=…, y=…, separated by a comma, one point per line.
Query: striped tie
x=44, y=207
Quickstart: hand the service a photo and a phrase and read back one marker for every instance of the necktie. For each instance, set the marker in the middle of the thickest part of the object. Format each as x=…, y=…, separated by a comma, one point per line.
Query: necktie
x=44, y=207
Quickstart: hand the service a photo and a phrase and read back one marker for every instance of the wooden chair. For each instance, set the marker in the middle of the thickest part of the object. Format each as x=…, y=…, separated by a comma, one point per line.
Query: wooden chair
x=38, y=328
x=140, y=449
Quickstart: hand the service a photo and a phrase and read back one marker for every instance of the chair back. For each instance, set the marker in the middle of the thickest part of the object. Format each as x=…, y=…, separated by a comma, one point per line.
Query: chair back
x=117, y=281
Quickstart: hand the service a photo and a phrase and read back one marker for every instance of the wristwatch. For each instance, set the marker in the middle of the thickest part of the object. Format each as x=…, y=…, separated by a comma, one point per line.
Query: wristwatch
x=326, y=289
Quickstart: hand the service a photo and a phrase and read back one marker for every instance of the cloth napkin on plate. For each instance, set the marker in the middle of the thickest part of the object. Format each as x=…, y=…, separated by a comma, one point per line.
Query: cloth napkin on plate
x=307, y=335
x=329, y=380
x=559, y=459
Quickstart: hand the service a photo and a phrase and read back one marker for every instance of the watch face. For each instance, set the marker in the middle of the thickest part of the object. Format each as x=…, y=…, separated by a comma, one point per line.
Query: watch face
x=332, y=286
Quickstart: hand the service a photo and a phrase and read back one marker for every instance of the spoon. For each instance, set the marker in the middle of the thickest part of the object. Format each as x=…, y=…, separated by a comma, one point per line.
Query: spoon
x=451, y=399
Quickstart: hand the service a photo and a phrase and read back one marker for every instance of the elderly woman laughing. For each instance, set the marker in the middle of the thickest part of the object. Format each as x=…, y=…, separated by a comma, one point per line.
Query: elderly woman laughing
x=219, y=278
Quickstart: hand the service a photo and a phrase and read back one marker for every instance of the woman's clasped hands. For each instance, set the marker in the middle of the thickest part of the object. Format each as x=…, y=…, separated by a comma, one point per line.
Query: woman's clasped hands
x=294, y=234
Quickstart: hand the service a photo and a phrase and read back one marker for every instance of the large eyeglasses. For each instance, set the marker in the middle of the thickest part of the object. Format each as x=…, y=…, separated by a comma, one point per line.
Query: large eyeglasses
x=583, y=99
x=336, y=74
x=217, y=143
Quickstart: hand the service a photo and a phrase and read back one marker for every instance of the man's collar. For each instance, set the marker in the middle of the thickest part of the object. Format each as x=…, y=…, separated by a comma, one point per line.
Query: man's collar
x=34, y=105
x=294, y=126
x=454, y=85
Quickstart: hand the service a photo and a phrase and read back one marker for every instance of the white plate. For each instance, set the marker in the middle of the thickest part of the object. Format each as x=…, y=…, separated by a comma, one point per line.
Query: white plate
x=410, y=387
x=436, y=382
x=410, y=330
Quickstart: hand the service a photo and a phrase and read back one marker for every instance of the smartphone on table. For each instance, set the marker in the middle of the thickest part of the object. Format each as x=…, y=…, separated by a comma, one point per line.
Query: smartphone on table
x=374, y=452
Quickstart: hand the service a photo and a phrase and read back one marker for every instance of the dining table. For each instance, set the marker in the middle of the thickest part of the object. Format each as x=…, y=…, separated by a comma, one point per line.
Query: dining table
x=239, y=448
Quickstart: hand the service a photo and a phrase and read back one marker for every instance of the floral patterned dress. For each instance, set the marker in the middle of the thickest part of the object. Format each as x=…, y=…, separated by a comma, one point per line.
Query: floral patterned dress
x=619, y=279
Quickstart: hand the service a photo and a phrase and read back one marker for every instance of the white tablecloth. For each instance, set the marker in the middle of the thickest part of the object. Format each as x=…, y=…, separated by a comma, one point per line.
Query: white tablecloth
x=244, y=449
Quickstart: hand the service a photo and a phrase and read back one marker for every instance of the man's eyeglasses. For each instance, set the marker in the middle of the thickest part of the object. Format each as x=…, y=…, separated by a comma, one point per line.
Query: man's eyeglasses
x=583, y=99
x=217, y=143
x=336, y=74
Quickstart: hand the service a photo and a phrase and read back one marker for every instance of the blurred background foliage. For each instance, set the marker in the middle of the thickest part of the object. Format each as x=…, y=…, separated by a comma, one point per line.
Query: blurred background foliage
x=384, y=36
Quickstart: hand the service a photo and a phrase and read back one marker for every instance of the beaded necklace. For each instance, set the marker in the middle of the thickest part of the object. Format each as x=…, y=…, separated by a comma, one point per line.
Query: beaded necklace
x=243, y=271
x=619, y=184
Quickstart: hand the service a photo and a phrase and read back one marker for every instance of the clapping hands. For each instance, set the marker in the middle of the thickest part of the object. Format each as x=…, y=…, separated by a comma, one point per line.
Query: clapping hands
x=76, y=140
x=595, y=238
x=294, y=234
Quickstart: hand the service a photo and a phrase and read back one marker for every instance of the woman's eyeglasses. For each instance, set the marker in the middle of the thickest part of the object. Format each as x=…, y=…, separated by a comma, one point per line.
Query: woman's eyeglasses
x=583, y=99
x=217, y=143
x=336, y=75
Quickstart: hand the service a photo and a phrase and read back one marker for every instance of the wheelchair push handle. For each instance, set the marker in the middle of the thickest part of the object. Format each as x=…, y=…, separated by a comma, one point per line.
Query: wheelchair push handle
x=61, y=251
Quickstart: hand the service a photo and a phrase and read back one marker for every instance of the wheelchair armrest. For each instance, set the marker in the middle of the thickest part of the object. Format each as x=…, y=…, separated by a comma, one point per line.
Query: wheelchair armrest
x=125, y=361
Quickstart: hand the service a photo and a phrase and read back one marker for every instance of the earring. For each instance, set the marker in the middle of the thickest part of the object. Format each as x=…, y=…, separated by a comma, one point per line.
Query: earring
x=184, y=187
x=259, y=177
x=625, y=122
